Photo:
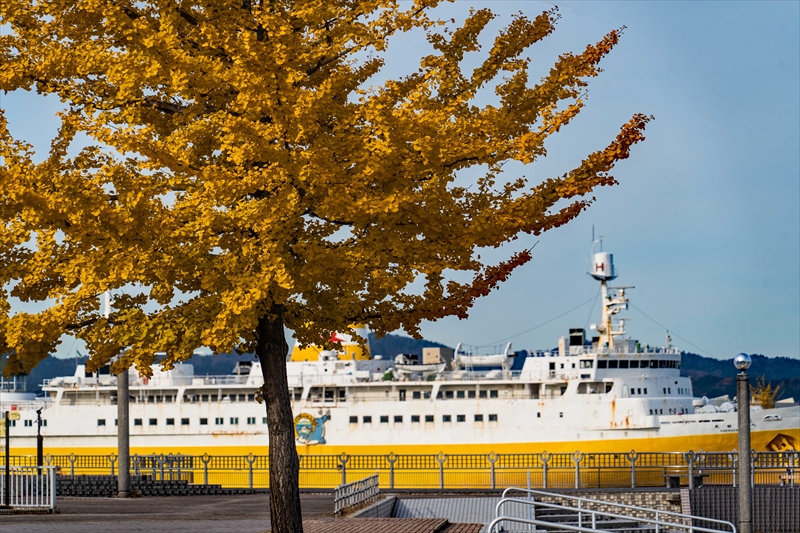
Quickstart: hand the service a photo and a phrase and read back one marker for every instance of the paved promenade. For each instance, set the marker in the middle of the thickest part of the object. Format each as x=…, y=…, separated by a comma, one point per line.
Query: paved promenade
x=181, y=514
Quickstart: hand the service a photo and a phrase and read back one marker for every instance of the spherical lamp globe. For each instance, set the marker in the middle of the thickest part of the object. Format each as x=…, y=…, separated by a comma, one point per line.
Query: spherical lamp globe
x=742, y=362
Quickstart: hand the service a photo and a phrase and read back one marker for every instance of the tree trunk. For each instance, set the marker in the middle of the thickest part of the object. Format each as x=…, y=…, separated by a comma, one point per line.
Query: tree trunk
x=284, y=465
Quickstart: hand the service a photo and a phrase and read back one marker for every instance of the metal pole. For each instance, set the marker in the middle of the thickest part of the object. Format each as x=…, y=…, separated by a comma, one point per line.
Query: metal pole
x=123, y=435
x=745, y=488
x=39, y=441
x=7, y=487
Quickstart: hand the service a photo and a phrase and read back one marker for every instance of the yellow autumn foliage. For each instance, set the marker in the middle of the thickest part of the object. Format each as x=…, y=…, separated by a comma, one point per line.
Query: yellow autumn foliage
x=243, y=164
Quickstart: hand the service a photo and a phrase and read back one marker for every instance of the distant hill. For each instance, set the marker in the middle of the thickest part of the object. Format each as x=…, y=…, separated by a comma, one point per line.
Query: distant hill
x=710, y=377
x=391, y=345
x=714, y=377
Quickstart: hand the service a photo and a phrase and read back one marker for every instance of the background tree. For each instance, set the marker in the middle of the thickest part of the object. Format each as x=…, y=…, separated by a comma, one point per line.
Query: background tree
x=764, y=394
x=244, y=178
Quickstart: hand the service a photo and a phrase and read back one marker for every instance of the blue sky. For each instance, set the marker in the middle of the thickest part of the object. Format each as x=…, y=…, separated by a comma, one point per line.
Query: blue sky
x=706, y=219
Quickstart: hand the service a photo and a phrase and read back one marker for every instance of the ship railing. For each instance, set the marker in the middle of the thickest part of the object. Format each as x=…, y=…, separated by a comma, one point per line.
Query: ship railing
x=23, y=405
x=620, y=350
x=13, y=383
x=29, y=487
x=453, y=471
x=355, y=494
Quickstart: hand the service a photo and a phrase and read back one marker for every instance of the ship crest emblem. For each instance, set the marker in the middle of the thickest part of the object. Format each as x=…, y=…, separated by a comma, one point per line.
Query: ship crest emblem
x=310, y=430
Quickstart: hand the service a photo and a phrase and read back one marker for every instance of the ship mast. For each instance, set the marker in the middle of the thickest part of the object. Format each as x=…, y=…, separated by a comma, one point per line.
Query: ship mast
x=614, y=299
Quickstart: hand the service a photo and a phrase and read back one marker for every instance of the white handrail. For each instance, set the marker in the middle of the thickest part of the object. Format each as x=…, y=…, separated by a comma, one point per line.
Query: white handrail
x=620, y=505
x=657, y=522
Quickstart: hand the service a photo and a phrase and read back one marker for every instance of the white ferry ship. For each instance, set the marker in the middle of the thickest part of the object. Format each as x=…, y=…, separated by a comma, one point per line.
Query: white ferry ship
x=608, y=393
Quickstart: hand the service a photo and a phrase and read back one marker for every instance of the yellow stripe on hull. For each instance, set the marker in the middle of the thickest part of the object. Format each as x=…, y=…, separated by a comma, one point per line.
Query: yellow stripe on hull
x=710, y=443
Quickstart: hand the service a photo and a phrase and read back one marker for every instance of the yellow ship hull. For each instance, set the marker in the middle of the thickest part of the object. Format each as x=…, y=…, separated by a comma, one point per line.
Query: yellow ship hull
x=760, y=441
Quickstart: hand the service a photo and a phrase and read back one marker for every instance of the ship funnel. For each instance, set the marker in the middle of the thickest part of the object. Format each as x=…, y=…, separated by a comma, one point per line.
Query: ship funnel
x=603, y=266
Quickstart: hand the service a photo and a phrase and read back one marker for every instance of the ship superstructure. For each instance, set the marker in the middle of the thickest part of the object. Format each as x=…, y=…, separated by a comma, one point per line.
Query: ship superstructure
x=606, y=393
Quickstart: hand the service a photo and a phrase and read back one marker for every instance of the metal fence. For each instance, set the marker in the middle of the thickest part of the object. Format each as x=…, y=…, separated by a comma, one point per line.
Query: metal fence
x=454, y=471
x=30, y=486
x=355, y=494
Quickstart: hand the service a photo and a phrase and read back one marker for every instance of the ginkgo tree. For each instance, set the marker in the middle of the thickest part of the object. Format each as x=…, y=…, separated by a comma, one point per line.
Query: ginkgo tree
x=244, y=175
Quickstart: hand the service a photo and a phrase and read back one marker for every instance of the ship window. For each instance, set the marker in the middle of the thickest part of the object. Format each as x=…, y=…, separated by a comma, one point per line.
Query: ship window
x=251, y=397
x=137, y=421
x=448, y=394
x=492, y=418
x=429, y=418
x=439, y=395
x=634, y=364
x=561, y=415
x=416, y=395
x=251, y=420
x=159, y=398
x=471, y=394
x=342, y=395
x=354, y=420
x=204, y=397
x=461, y=418
x=493, y=393
x=398, y=419
x=384, y=419
x=151, y=399
x=609, y=386
x=29, y=423
x=460, y=394
x=662, y=363
x=538, y=415
x=402, y=395
x=661, y=411
x=231, y=397
x=213, y=397
x=677, y=364
x=184, y=421
x=651, y=411
x=654, y=363
x=427, y=395
x=13, y=423
x=329, y=395
x=447, y=418
x=204, y=421
x=482, y=394
x=264, y=420
x=168, y=398
x=170, y=421
x=298, y=394
x=219, y=421
x=586, y=363
x=242, y=397
x=367, y=420
x=153, y=421
x=645, y=390
x=234, y=420
x=415, y=418
x=623, y=364
x=552, y=366
x=612, y=364
x=602, y=364
x=478, y=418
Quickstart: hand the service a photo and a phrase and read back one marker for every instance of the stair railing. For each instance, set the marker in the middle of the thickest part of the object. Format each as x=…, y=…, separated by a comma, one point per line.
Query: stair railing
x=658, y=523
x=657, y=512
